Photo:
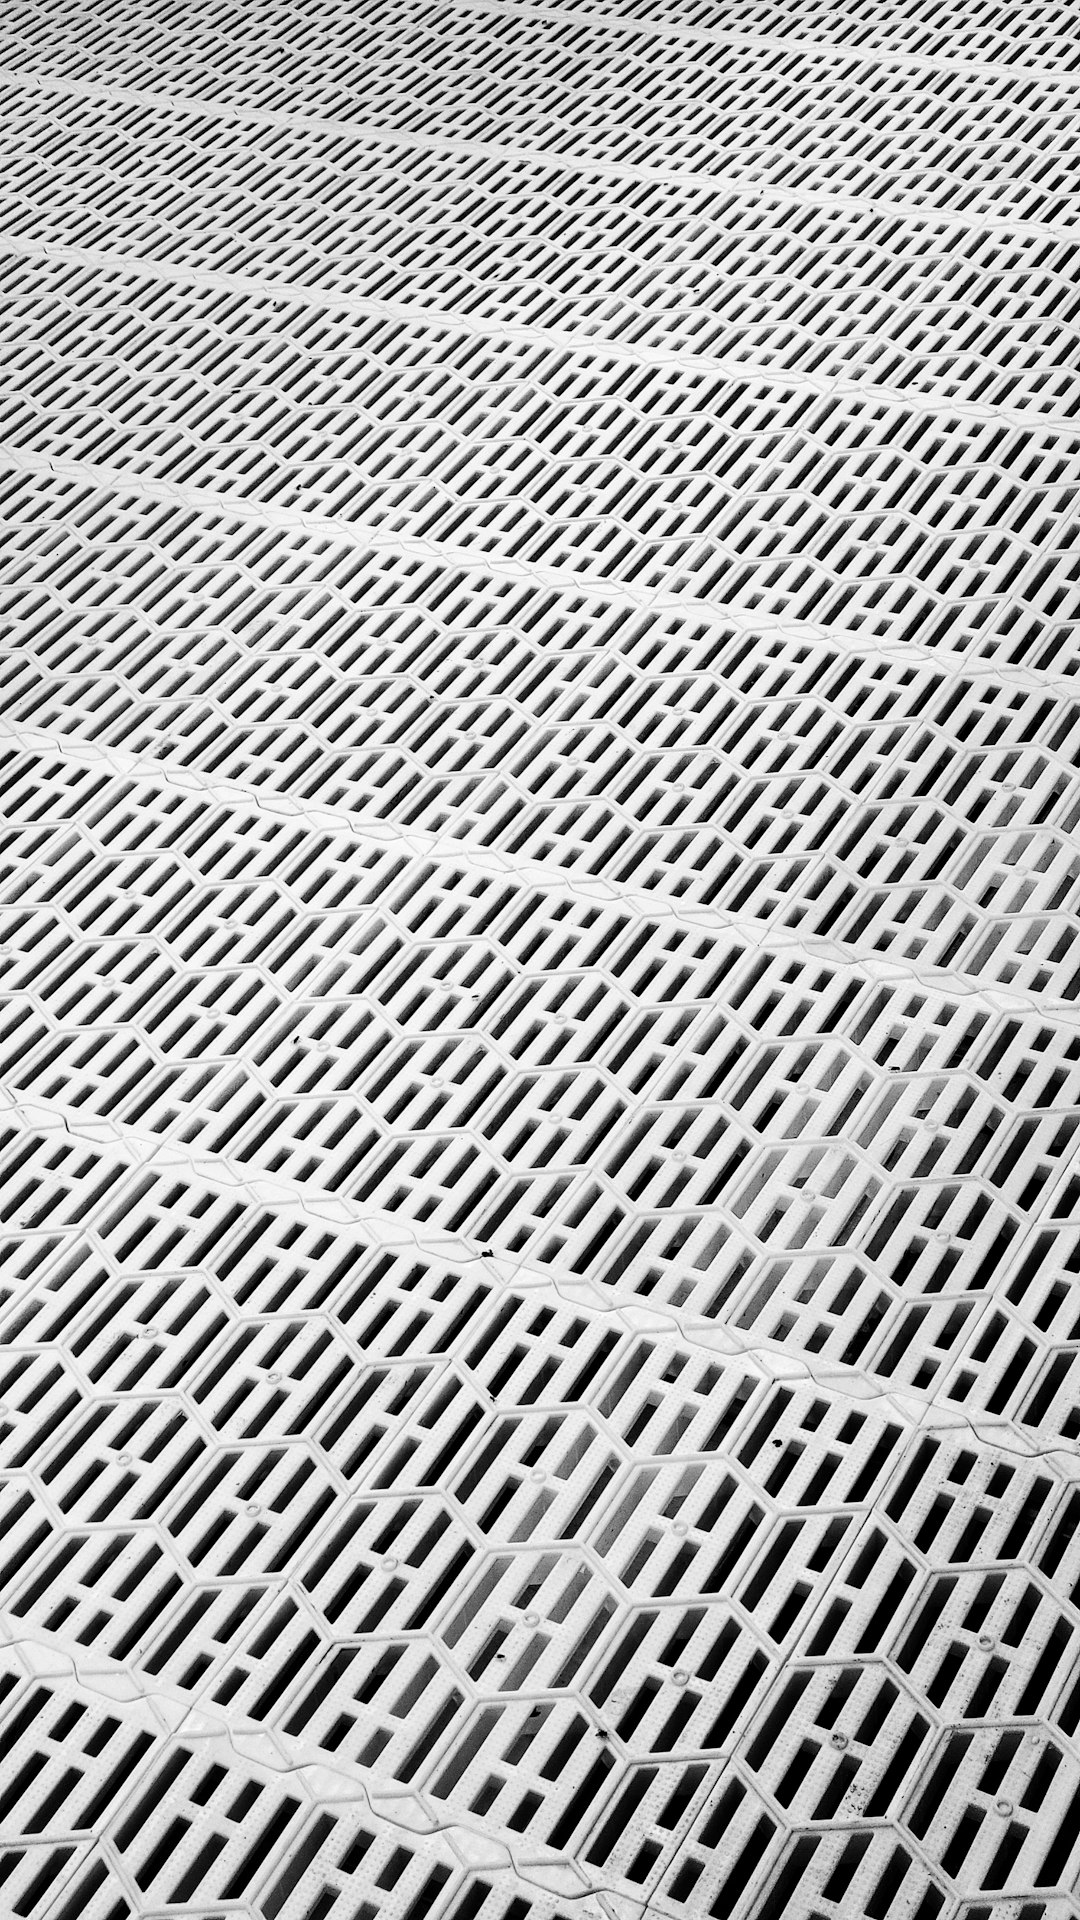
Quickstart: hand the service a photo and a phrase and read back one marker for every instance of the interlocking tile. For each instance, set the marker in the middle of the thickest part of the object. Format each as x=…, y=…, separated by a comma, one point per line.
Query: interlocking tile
x=539, y=954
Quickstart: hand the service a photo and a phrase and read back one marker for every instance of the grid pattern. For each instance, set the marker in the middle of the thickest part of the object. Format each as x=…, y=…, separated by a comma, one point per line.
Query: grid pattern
x=539, y=957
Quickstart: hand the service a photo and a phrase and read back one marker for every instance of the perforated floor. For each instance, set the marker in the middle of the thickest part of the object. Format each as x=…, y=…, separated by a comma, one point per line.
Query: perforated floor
x=539, y=907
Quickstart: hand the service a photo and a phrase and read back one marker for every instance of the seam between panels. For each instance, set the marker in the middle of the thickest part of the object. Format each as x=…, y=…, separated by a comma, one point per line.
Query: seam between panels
x=826, y=50
x=500, y=566
x=418, y=844
x=584, y=345
x=938, y=217
x=152, y=1153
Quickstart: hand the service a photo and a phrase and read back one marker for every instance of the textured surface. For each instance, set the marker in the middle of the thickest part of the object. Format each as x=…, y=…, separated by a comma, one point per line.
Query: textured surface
x=539, y=908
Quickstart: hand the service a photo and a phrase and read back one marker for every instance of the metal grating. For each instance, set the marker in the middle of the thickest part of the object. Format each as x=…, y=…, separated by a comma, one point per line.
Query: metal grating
x=539, y=961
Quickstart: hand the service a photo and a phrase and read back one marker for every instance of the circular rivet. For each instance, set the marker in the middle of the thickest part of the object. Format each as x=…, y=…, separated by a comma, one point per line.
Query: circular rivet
x=680, y=1677
x=1004, y=1807
x=275, y=1377
x=986, y=1642
x=149, y=1333
x=532, y=1619
x=838, y=1739
x=389, y=1565
x=253, y=1508
x=123, y=1459
x=438, y=1083
x=538, y=1474
x=680, y=1526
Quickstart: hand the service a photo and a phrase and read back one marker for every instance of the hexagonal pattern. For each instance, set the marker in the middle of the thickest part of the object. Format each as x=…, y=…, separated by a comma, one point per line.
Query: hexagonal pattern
x=539, y=951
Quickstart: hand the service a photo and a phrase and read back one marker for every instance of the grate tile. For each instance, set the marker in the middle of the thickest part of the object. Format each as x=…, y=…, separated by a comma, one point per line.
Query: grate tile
x=539, y=894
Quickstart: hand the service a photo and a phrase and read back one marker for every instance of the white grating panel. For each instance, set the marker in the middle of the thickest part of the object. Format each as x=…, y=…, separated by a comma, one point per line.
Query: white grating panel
x=539, y=912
